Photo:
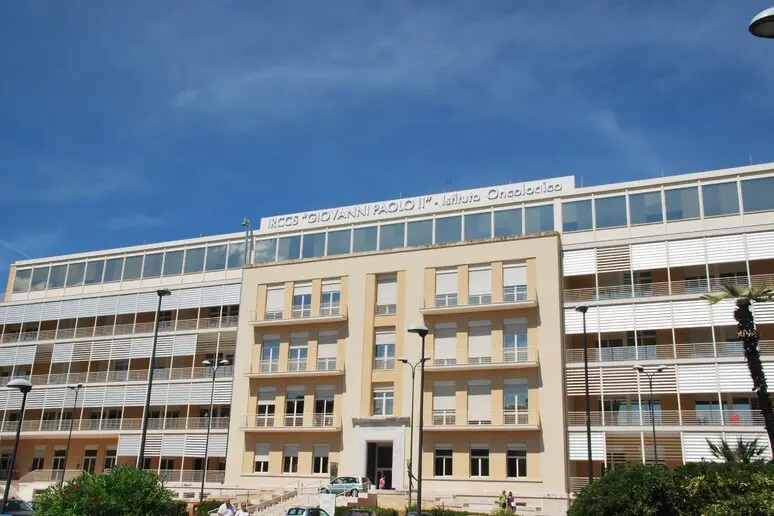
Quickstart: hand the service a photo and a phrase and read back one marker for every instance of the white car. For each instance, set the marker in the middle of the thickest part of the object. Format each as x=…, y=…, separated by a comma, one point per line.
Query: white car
x=306, y=511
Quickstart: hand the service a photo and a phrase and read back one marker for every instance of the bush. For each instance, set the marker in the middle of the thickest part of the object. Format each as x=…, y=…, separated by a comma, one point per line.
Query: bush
x=178, y=508
x=750, y=504
x=379, y=511
x=441, y=511
x=207, y=506
x=122, y=491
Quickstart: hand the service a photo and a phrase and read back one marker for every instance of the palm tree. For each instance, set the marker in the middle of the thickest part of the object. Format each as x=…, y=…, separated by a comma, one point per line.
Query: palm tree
x=748, y=334
x=744, y=451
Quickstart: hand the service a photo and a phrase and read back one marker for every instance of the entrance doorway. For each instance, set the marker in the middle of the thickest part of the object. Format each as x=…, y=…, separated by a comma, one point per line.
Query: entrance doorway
x=378, y=463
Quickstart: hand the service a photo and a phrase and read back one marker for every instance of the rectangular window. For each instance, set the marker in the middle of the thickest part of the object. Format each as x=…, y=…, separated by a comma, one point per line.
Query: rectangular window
x=539, y=219
x=448, y=229
x=507, y=223
x=21, y=281
x=478, y=226
x=419, y=233
x=516, y=402
x=194, y=260
x=265, y=251
x=166, y=464
x=576, y=216
x=270, y=354
x=290, y=459
x=331, y=297
x=39, y=278
x=59, y=460
x=384, y=352
x=173, y=263
x=132, y=268
x=236, y=255
x=75, y=273
x=479, y=284
x=302, y=300
x=446, y=287
x=294, y=406
x=445, y=344
x=56, y=279
x=444, y=404
x=327, y=344
x=391, y=235
x=720, y=199
x=113, y=269
x=289, y=248
x=152, y=266
x=37, y=463
x=275, y=301
x=386, y=294
x=645, y=208
x=757, y=194
x=383, y=402
x=514, y=282
x=479, y=342
x=320, y=459
x=444, y=457
x=682, y=203
x=261, y=458
x=339, y=242
x=216, y=258
x=314, y=245
x=267, y=400
x=515, y=347
x=364, y=239
x=479, y=402
x=323, y=406
x=297, y=354
x=610, y=211
x=94, y=272
x=517, y=461
x=479, y=462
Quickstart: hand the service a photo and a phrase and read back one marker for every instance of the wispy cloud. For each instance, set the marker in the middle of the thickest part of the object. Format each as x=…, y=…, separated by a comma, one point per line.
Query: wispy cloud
x=135, y=221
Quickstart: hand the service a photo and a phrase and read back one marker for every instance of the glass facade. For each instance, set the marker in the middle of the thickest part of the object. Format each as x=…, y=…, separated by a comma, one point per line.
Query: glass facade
x=113, y=269
x=448, y=229
x=94, y=272
x=720, y=199
x=216, y=258
x=314, y=245
x=758, y=194
x=132, y=268
x=289, y=248
x=56, y=278
x=682, y=203
x=391, y=236
x=420, y=232
x=264, y=250
x=610, y=211
x=539, y=219
x=194, y=260
x=507, y=223
x=645, y=208
x=173, y=263
x=152, y=266
x=339, y=242
x=478, y=226
x=39, y=278
x=364, y=239
x=576, y=216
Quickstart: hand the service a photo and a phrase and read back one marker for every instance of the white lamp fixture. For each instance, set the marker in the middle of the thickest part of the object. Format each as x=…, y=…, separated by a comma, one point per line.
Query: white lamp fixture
x=762, y=25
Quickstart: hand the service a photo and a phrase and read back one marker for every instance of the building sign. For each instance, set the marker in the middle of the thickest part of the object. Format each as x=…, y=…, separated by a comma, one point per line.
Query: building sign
x=422, y=205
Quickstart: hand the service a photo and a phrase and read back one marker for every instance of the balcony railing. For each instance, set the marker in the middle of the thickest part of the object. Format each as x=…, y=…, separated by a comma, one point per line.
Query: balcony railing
x=298, y=314
x=213, y=476
x=50, y=475
x=499, y=357
x=386, y=309
x=502, y=418
x=296, y=366
x=269, y=366
x=384, y=363
x=134, y=375
x=114, y=424
x=713, y=417
x=666, y=351
x=326, y=364
x=327, y=309
x=288, y=421
x=507, y=295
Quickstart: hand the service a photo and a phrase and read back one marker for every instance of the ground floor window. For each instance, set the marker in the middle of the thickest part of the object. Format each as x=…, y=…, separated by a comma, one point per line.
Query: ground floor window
x=320, y=458
x=443, y=462
x=479, y=461
x=517, y=460
x=261, y=458
x=290, y=459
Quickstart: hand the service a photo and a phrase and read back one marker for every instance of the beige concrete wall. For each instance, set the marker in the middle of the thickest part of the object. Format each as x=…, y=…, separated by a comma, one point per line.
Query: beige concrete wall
x=9, y=286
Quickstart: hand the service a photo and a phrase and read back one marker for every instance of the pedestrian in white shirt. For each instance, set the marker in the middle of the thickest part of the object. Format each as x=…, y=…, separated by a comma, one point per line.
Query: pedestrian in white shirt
x=226, y=509
x=242, y=511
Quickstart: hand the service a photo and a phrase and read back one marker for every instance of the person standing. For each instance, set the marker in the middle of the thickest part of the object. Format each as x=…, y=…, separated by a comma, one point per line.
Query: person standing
x=382, y=482
x=226, y=509
x=510, y=501
x=503, y=500
x=242, y=511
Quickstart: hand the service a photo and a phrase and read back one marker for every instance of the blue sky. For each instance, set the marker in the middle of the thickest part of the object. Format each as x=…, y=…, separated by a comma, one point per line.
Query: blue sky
x=142, y=121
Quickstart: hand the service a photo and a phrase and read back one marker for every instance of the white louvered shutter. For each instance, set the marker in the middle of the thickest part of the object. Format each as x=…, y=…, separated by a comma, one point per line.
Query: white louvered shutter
x=190, y=297
x=444, y=395
x=445, y=343
x=446, y=281
x=387, y=290
x=480, y=342
x=232, y=294
x=212, y=296
x=327, y=342
x=127, y=304
x=479, y=279
x=514, y=274
x=479, y=400
x=275, y=299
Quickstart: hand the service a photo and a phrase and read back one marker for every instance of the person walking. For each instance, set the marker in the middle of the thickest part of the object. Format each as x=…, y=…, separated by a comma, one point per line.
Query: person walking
x=503, y=500
x=382, y=482
x=510, y=501
x=242, y=511
x=226, y=509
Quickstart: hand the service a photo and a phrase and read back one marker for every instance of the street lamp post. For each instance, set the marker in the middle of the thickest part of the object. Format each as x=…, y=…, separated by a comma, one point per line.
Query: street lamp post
x=411, y=437
x=762, y=25
x=141, y=455
x=24, y=387
x=583, y=310
x=650, y=375
x=75, y=388
x=421, y=330
x=214, y=368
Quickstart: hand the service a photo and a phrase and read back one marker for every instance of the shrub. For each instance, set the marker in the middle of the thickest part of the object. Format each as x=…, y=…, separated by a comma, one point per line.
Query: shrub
x=207, y=506
x=750, y=504
x=379, y=511
x=704, y=484
x=442, y=511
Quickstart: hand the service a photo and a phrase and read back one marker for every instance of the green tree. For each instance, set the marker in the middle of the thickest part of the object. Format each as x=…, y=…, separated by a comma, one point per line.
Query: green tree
x=742, y=451
x=748, y=333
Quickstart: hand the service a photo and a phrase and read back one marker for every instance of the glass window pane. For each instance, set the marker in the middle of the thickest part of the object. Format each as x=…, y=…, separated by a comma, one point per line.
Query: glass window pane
x=133, y=268
x=265, y=251
x=216, y=257
x=758, y=194
x=94, y=272
x=57, y=277
x=682, y=203
x=113, y=268
x=75, y=274
x=152, y=266
x=236, y=255
x=720, y=199
x=314, y=245
x=39, y=278
x=610, y=211
x=364, y=239
x=420, y=232
x=576, y=216
x=507, y=223
x=645, y=208
x=338, y=242
x=21, y=281
x=391, y=235
x=478, y=225
x=539, y=219
x=194, y=260
x=289, y=248
x=448, y=229
x=173, y=263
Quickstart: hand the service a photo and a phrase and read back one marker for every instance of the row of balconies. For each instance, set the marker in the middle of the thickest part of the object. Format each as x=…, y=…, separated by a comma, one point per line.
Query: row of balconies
x=115, y=424
x=57, y=475
x=134, y=375
x=290, y=421
x=708, y=417
x=507, y=419
x=666, y=351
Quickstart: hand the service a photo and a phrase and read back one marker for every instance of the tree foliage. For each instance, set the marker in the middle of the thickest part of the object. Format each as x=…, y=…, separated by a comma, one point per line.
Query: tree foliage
x=741, y=451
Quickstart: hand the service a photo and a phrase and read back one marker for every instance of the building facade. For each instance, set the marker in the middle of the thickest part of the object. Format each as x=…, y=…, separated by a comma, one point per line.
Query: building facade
x=496, y=275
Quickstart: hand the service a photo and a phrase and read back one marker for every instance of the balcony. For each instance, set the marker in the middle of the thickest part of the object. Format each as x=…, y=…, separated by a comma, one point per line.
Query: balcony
x=510, y=298
x=177, y=475
x=321, y=422
x=446, y=420
x=633, y=418
x=134, y=375
x=296, y=367
x=331, y=312
x=50, y=475
x=691, y=350
x=116, y=424
x=511, y=358
x=384, y=363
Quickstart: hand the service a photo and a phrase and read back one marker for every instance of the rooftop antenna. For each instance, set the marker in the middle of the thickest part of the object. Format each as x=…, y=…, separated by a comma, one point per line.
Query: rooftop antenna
x=750, y=159
x=447, y=185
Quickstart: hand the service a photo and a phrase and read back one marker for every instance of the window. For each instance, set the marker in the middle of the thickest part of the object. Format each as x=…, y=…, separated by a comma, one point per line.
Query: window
x=75, y=273
x=37, y=461
x=576, y=216
x=445, y=344
x=479, y=342
x=516, y=460
x=339, y=242
x=264, y=251
x=331, y=297
x=419, y=232
x=478, y=226
x=516, y=402
x=314, y=245
x=515, y=341
x=236, y=255
x=113, y=269
x=444, y=458
x=448, y=229
x=479, y=284
x=89, y=461
x=39, y=278
x=152, y=266
x=194, y=260
x=289, y=248
x=216, y=258
x=507, y=223
x=267, y=398
x=446, y=287
x=294, y=407
x=21, y=281
x=383, y=402
x=514, y=282
x=391, y=236
x=166, y=464
x=479, y=461
x=757, y=194
x=297, y=353
x=323, y=406
x=610, y=211
x=479, y=402
x=94, y=272
x=270, y=354
x=682, y=203
x=720, y=199
x=261, y=458
x=386, y=294
x=302, y=300
x=56, y=279
x=290, y=459
x=320, y=459
x=444, y=405
x=59, y=460
x=327, y=343
x=384, y=353
x=364, y=239
x=132, y=268
x=645, y=208
x=173, y=263
x=275, y=301
x=539, y=219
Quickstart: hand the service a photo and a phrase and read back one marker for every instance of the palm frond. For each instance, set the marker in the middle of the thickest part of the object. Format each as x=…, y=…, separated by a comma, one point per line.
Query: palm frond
x=716, y=298
x=742, y=451
x=760, y=294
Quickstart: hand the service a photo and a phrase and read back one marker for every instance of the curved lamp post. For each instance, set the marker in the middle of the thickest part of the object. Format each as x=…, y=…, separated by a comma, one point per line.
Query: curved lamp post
x=75, y=388
x=411, y=439
x=582, y=310
x=650, y=375
x=421, y=330
x=214, y=368
x=24, y=386
x=762, y=25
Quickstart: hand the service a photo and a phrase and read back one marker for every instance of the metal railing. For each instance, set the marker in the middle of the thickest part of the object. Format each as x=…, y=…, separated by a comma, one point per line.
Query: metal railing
x=326, y=364
x=50, y=475
x=196, y=476
x=134, y=375
x=384, y=363
x=319, y=420
x=509, y=294
x=499, y=356
x=299, y=312
x=112, y=424
x=269, y=366
x=506, y=417
x=296, y=366
x=386, y=309
x=712, y=417
x=666, y=351
x=327, y=309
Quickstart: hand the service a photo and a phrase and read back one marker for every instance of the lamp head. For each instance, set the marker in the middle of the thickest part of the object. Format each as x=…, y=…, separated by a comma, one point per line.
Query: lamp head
x=73, y=387
x=245, y=222
x=582, y=309
x=762, y=25
x=163, y=292
x=638, y=368
x=20, y=383
x=662, y=367
x=403, y=359
x=224, y=362
x=206, y=363
x=419, y=329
